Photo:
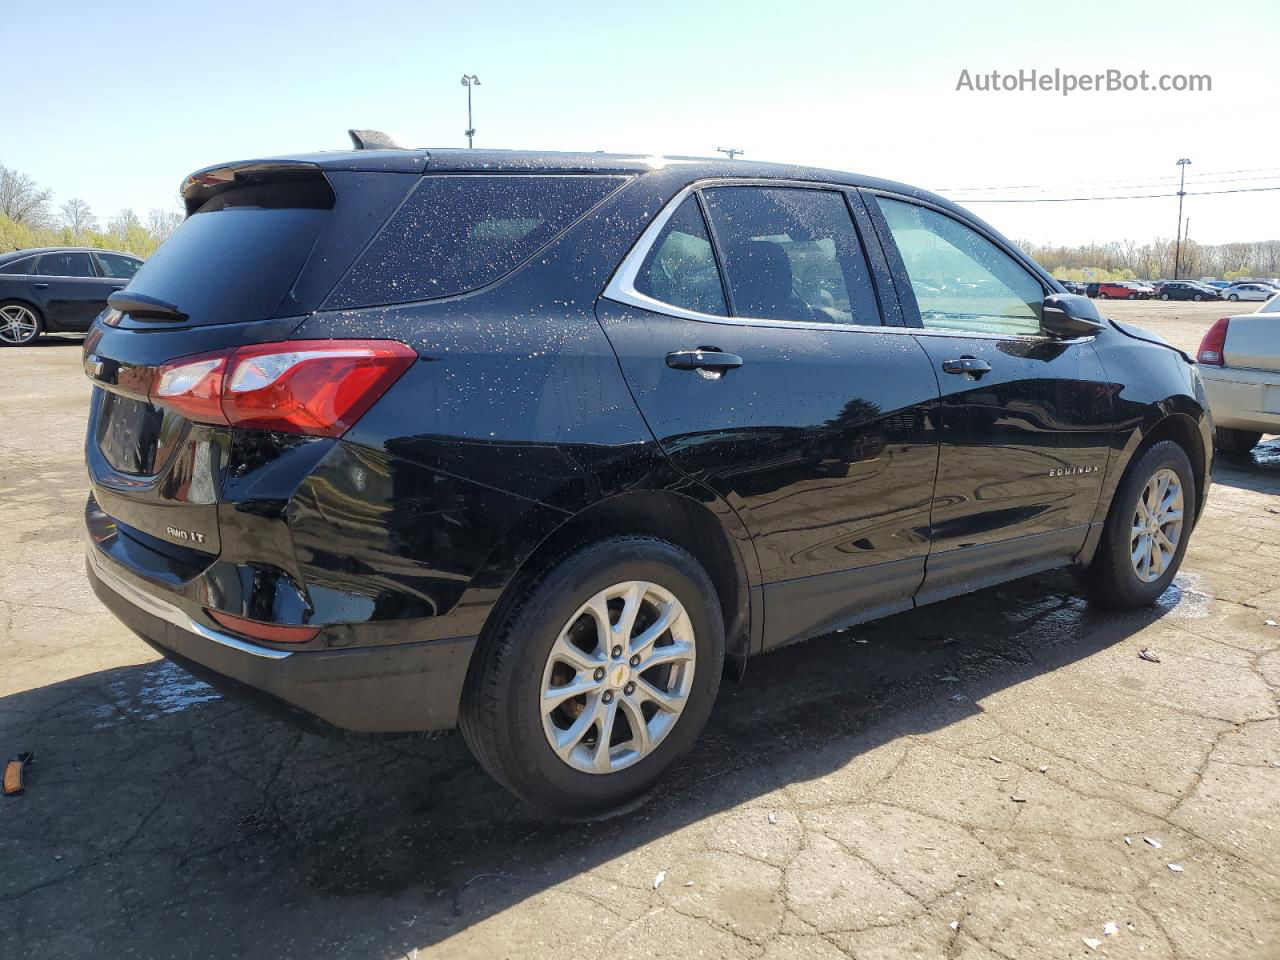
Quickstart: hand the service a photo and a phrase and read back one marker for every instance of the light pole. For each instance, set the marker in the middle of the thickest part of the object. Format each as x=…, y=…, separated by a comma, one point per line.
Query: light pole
x=1177, y=250
x=470, y=80
x=730, y=152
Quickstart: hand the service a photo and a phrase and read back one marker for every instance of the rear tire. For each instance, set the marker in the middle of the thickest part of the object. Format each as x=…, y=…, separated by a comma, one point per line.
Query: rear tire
x=1164, y=296
x=1234, y=298
x=547, y=639
x=1133, y=565
x=20, y=324
x=1229, y=440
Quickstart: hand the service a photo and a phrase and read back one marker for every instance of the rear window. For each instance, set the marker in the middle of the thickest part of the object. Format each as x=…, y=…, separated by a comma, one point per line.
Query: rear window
x=459, y=232
x=237, y=257
x=18, y=266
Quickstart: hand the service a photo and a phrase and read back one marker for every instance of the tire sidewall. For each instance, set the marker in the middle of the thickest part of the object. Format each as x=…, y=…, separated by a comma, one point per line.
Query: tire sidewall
x=539, y=772
x=1163, y=454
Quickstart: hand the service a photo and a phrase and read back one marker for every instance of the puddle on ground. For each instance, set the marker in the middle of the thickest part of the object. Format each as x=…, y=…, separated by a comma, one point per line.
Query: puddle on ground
x=1185, y=599
x=165, y=689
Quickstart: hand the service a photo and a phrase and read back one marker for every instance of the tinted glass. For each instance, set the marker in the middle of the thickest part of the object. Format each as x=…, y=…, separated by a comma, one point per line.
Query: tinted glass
x=961, y=280
x=22, y=265
x=457, y=233
x=792, y=254
x=681, y=268
x=121, y=268
x=65, y=265
x=235, y=259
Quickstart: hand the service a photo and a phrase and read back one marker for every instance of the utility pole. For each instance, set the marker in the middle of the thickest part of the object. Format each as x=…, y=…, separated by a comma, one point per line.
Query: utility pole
x=470, y=80
x=1177, y=251
x=730, y=152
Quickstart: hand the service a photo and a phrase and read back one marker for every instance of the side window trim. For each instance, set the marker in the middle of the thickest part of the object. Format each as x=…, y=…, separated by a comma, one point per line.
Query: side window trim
x=621, y=286
x=898, y=269
x=717, y=253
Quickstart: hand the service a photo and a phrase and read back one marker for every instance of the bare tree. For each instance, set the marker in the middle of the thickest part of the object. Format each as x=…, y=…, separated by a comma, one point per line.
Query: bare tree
x=22, y=200
x=161, y=223
x=77, y=217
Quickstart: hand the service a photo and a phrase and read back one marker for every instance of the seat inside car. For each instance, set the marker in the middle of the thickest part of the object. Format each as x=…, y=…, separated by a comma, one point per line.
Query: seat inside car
x=763, y=284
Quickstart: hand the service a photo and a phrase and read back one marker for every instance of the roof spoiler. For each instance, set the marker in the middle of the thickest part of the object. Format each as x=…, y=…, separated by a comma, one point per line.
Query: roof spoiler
x=372, y=140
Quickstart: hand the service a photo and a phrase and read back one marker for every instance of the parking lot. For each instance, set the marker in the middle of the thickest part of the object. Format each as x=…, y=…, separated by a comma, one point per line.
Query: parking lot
x=999, y=775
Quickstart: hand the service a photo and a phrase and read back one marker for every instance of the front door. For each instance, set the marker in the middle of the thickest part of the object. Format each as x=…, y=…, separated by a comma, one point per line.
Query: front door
x=69, y=291
x=757, y=355
x=1026, y=419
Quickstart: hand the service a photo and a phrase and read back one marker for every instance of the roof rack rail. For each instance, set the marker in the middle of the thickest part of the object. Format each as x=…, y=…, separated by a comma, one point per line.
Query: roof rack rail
x=372, y=140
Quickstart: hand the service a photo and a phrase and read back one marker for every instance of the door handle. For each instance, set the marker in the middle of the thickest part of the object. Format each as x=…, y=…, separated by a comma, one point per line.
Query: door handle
x=970, y=365
x=117, y=286
x=41, y=286
x=704, y=358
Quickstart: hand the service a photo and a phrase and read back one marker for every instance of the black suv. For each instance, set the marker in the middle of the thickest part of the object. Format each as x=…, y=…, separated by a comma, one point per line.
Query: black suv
x=57, y=289
x=1187, y=290
x=530, y=443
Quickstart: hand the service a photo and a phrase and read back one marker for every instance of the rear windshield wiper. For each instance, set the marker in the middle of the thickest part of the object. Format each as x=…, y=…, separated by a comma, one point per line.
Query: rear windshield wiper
x=144, y=307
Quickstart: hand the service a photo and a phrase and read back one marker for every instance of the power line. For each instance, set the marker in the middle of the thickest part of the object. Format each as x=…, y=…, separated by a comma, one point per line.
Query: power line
x=1136, y=196
x=1273, y=172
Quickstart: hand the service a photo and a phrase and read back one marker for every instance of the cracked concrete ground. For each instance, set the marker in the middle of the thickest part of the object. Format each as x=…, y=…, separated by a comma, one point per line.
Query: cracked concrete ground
x=981, y=779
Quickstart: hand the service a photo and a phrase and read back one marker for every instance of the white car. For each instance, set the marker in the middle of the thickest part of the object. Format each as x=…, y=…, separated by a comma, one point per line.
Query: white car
x=1249, y=291
x=1239, y=361
x=1271, y=306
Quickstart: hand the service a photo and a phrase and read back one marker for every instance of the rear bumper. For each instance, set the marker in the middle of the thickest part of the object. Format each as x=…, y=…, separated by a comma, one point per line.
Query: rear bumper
x=1243, y=399
x=393, y=688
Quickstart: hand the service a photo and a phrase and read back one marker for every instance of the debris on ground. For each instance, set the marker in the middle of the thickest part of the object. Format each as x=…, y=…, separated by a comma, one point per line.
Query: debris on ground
x=1044, y=769
x=14, y=774
x=1145, y=654
x=773, y=817
x=861, y=641
x=657, y=881
x=1110, y=929
x=1176, y=867
x=959, y=697
x=949, y=679
x=994, y=759
x=954, y=924
x=1269, y=623
x=1017, y=799
x=1092, y=943
x=1154, y=842
x=1128, y=841
x=688, y=883
x=999, y=883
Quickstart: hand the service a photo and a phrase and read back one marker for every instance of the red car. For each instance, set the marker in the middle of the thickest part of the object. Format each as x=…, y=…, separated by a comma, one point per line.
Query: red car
x=1118, y=291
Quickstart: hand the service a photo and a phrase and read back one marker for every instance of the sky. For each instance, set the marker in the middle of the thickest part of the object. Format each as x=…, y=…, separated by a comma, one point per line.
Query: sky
x=116, y=103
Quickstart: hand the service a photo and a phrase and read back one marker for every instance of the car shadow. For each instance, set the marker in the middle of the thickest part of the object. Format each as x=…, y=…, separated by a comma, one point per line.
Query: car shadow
x=159, y=814
x=1258, y=470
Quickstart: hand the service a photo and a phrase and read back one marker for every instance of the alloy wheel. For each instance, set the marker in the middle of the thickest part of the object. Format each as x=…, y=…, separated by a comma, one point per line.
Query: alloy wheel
x=618, y=677
x=18, y=325
x=1157, y=526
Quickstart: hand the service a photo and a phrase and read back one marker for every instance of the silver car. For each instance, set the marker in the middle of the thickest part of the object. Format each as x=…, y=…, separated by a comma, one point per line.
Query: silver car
x=1249, y=291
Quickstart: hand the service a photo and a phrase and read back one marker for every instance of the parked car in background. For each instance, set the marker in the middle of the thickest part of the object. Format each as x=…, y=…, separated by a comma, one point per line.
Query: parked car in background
x=1239, y=361
x=1073, y=286
x=532, y=442
x=1217, y=284
x=1116, y=290
x=1091, y=289
x=57, y=289
x=1187, y=290
x=1253, y=290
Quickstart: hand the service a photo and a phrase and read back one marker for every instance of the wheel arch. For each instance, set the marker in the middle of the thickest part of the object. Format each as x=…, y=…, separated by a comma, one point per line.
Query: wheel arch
x=707, y=529
x=33, y=307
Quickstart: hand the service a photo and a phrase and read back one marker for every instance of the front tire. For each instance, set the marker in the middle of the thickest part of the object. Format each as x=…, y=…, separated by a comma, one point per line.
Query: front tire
x=1164, y=296
x=1229, y=440
x=20, y=324
x=1147, y=530
x=596, y=677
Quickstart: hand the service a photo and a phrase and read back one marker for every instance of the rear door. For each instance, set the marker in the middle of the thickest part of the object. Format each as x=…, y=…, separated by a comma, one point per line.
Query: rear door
x=748, y=327
x=1026, y=419
x=69, y=291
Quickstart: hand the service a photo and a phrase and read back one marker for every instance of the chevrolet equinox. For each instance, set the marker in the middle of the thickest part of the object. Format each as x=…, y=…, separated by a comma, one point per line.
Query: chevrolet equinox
x=532, y=443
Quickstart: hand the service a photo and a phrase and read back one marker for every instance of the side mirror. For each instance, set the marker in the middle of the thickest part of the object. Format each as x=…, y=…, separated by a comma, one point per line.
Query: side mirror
x=1069, y=315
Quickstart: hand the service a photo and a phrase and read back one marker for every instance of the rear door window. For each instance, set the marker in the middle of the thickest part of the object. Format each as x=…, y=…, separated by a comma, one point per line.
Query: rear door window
x=680, y=269
x=65, y=265
x=460, y=232
x=792, y=254
x=118, y=267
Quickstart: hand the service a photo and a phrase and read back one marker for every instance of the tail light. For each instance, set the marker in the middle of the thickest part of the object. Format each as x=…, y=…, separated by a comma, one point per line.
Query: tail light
x=256, y=630
x=1214, y=343
x=315, y=387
